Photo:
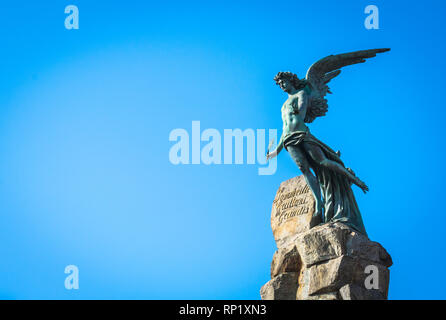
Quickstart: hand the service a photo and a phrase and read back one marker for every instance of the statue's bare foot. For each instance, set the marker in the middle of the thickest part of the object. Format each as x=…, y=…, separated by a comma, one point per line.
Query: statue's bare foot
x=363, y=186
x=316, y=218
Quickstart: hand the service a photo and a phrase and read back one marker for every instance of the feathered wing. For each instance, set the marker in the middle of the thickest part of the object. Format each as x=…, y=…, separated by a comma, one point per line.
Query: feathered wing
x=321, y=72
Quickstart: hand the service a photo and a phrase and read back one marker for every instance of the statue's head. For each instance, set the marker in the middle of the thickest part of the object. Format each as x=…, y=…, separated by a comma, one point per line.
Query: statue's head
x=288, y=80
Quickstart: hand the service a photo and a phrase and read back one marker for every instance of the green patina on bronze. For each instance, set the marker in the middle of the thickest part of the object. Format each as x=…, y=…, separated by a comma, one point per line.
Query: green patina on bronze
x=332, y=180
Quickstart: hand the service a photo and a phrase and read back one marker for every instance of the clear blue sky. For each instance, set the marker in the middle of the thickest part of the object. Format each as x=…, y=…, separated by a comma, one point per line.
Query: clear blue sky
x=85, y=117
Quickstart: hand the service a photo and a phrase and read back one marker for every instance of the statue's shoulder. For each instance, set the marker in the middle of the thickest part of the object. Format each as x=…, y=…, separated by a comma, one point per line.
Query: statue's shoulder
x=302, y=93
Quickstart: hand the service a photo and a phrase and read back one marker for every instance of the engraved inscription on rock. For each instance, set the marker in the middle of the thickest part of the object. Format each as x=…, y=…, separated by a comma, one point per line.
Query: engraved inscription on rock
x=292, y=209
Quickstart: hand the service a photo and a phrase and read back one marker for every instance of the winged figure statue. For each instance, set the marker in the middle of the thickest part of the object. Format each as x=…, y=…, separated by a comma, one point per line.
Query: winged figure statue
x=326, y=175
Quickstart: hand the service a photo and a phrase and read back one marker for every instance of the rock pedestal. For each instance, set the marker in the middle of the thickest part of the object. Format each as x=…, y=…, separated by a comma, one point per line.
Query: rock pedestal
x=328, y=262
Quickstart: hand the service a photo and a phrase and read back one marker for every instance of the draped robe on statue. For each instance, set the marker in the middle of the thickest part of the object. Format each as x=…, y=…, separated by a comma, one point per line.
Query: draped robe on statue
x=338, y=198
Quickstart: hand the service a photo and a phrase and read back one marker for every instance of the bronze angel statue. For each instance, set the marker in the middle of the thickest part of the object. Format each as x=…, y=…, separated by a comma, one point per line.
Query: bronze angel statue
x=331, y=181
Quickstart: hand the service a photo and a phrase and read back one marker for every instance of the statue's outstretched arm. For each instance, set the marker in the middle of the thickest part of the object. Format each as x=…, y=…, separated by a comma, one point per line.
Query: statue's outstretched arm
x=279, y=148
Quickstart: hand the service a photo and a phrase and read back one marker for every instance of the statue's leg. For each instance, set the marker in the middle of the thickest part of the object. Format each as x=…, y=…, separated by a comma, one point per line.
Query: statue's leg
x=319, y=157
x=300, y=159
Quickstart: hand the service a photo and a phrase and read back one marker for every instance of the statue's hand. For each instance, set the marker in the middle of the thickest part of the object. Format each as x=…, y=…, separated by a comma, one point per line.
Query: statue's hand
x=271, y=155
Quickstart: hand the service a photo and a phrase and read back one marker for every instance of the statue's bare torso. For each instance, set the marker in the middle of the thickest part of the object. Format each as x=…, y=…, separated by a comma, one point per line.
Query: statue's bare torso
x=293, y=116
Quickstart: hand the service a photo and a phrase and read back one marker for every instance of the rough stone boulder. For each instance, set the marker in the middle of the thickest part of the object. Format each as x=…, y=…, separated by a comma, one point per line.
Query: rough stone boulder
x=328, y=262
